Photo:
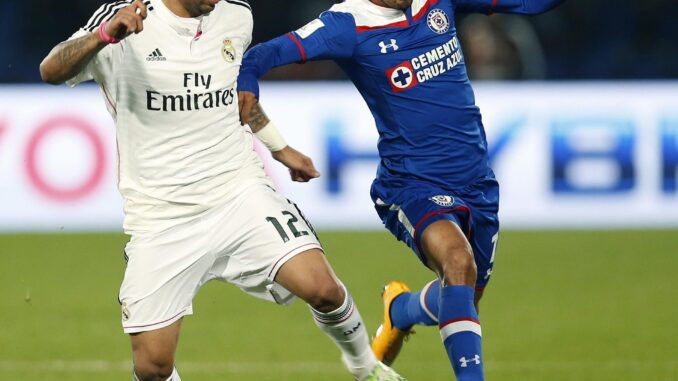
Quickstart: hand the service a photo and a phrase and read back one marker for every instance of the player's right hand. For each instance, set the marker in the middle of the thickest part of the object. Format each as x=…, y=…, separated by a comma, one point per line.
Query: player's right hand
x=128, y=20
x=301, y=166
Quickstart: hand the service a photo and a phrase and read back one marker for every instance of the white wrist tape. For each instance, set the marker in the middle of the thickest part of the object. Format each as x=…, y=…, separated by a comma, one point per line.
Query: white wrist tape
x=271, y=138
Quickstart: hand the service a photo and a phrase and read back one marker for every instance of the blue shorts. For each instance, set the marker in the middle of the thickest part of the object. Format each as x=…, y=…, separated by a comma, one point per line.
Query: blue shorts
x=407, y=207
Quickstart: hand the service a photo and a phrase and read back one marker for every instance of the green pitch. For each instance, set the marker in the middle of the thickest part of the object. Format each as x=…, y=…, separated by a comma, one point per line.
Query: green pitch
x=593, y=306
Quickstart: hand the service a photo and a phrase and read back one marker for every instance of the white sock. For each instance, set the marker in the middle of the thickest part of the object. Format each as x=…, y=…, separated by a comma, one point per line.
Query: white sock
x=173, y=377
x=346, y=328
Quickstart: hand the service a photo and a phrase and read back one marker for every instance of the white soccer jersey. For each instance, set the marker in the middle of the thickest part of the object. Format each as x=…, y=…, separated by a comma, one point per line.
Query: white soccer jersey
x=171, y=90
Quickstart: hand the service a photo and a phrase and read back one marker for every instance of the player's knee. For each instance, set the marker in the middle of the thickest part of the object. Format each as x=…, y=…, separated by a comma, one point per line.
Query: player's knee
x=153, y=372
x=153, y=368
x=459, y=266
x=328, y=296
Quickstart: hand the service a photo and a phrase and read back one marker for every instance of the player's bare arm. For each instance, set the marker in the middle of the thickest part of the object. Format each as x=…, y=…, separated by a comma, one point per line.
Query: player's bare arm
x=68, y=58
x=247, y=102
x=395, y=4
x=257, y=118
x=301, y=166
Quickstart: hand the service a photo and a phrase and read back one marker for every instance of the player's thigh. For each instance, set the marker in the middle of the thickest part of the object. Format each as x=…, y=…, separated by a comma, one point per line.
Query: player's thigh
x=446, y=248
x=309, y=276
x=259, y=236
x=164, y=272
x=409, y=212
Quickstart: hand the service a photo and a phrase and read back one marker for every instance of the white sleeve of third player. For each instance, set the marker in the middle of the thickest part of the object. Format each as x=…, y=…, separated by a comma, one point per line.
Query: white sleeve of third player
x=101, y=65
x=98, y=68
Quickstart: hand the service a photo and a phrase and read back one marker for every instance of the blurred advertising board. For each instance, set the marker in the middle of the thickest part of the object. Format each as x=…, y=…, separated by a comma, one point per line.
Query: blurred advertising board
x=567, y=155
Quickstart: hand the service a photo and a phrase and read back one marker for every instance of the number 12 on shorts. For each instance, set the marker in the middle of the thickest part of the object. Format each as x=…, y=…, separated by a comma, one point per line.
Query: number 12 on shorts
x=290, y=225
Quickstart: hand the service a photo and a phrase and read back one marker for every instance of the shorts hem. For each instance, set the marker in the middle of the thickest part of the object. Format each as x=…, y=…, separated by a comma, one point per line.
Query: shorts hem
x=289, y=255
x=155, y=326
x=438, y=215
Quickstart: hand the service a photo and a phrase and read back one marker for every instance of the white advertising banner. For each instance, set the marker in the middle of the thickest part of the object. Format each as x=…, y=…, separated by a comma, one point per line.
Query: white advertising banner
x=567, y=155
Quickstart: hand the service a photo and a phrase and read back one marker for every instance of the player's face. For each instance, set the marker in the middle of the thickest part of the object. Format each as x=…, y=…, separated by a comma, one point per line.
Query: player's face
x=398, y=4
x=199, y=7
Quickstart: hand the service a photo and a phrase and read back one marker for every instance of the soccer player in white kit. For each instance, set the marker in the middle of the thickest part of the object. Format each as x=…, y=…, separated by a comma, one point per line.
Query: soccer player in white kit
x=198, y=205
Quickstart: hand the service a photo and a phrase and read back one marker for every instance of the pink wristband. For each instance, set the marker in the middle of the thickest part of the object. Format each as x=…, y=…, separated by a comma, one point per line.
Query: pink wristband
x=105, y=37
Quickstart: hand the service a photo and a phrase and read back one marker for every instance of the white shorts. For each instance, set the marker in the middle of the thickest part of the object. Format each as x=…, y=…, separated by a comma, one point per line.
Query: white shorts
x=244, y=242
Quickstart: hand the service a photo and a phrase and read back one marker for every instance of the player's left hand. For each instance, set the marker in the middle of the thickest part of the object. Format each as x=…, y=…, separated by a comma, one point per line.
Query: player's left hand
x=301, y=166
x=246, y=101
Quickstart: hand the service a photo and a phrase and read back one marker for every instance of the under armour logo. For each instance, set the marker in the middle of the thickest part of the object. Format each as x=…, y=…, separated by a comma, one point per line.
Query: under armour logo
x=464, y=362
x=384, y=47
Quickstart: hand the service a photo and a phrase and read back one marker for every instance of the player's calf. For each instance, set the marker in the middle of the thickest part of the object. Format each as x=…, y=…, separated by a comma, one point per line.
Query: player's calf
x=309, y=276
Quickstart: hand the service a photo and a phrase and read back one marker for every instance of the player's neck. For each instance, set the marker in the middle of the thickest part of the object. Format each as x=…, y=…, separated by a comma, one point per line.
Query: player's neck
x=393, y=4
x=379, y=3
x=180, y=9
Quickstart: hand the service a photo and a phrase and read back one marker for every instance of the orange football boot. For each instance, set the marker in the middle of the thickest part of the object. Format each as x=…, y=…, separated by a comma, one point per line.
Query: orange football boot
x=389, y=340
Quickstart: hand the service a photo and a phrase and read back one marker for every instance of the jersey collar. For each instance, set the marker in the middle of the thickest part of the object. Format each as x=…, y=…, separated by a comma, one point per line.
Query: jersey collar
x=382, y=11
x=184, y=26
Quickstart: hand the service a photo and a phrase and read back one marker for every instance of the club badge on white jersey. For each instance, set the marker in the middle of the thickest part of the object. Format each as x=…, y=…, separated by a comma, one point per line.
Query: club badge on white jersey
x=228, y=51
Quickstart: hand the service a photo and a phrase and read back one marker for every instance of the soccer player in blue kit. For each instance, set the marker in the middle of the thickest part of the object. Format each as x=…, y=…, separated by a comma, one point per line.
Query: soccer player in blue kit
x=434, y=189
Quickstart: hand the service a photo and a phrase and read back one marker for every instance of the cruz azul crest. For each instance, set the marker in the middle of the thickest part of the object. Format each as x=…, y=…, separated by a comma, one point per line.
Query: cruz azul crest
x=443, y=200
x=438, y=21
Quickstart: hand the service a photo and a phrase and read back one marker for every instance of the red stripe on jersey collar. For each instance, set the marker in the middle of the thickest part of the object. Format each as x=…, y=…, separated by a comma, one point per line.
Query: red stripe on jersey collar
x=362, y=29
x=403, y=23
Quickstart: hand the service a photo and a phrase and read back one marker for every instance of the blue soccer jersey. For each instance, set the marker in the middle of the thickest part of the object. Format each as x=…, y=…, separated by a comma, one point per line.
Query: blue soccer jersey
x=409, y=67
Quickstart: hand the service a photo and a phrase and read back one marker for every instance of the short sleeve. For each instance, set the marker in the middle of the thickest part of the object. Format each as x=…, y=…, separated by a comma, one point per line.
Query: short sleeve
x=332, y=35
x=249, y=28
x=101, y=65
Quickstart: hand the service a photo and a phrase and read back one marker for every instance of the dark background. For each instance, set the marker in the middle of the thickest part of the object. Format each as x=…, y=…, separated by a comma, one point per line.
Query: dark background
x=582, y=39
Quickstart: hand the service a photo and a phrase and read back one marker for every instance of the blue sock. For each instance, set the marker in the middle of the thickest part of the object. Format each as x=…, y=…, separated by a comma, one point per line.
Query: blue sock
x=413, y=308
x=460, y=331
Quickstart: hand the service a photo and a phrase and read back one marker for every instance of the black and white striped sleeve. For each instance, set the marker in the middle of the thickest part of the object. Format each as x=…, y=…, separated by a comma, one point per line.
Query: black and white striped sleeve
x=107, y=11
x=242, y=3
x=101, y=65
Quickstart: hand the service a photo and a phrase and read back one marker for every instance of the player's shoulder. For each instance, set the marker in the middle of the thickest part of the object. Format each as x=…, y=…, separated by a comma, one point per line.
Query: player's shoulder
x=352, y=7
x=234, y=13
x=234, y=16
x=241, y=5
x=106, y=12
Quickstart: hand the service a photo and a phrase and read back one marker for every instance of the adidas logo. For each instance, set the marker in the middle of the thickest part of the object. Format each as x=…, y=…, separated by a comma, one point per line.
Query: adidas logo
x=156, y=56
